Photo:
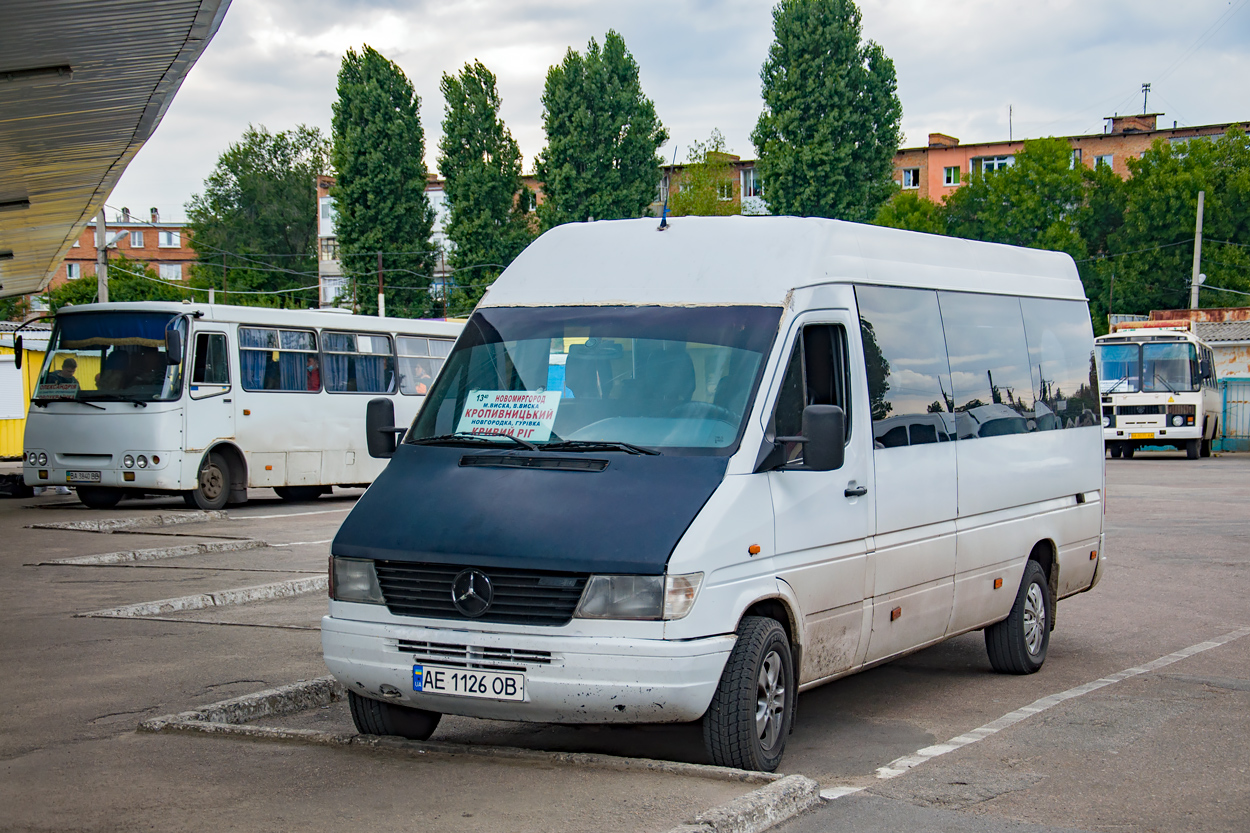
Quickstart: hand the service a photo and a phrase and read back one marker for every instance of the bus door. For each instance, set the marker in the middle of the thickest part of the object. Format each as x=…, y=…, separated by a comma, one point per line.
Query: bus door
x=210, y=413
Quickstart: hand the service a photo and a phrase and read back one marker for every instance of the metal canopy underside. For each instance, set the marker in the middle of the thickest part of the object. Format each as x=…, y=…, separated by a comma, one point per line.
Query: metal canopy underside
x=66, y=136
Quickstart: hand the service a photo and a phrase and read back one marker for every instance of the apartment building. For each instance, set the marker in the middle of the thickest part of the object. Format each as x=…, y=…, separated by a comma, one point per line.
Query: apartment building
x=166, y=247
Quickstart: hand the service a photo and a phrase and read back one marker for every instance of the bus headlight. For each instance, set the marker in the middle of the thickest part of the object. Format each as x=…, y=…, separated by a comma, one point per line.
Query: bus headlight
x=1178, y=420
x=354, y=580
x=639, y=597
x=128, y=461
x=1106, y=422
x=43, y=459
x=142, y=462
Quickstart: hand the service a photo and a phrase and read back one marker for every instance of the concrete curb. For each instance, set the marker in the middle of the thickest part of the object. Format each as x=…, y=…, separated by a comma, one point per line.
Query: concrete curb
x=760, y=809
x=223, y=598
x=154, y=554
x=159, y=519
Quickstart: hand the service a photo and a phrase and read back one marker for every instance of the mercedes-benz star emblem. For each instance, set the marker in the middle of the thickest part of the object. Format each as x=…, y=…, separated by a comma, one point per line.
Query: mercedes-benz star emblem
x=472, y=593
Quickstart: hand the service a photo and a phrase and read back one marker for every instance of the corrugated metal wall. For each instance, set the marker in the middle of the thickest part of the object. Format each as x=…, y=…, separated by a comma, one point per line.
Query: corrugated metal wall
x=1235, y=423
x=12, y=430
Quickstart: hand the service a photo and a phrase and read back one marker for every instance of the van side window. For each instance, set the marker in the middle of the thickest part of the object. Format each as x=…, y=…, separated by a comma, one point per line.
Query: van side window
x=1061, y=360
x=210, y=365
x=989, y=361
x=909, y=382
x=818, y=374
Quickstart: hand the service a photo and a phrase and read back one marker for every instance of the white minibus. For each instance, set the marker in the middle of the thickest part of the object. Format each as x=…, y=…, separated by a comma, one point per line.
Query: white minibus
x=686, y=474
x=207, y=400
x=1158, y=388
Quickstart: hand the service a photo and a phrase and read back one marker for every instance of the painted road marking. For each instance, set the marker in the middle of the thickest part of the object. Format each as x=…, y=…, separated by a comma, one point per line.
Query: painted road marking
x=242, y=595
x=291, y=514
x=900, y=766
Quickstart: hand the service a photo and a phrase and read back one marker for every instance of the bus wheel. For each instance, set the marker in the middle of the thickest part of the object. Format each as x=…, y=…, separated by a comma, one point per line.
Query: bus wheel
x=298, y=493
x=1116, y=450
x=1192, y=449
x=373, y=717
x=1206, y=449
x=749, y=717
x=1127, y=450
x=99, y=497
x=1017, y=645
x=213, y=484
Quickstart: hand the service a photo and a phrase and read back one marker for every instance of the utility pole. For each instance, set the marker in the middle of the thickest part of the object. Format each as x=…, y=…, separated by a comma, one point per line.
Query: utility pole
x=1195, y=280
x=1145, y=97
x=381, y=294
x=101, y=260
x=225, y=295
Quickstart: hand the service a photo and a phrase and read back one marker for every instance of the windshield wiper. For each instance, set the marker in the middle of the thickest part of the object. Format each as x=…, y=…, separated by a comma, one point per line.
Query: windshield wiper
x=1159, y=378
x=120, y=397
x=599, y=445
x=43, y=403
x=461, y=437
x=1118, y=382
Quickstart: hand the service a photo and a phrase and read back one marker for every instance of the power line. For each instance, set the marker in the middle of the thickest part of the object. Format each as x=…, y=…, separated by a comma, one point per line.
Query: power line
x=1135, y=251
x=1209, y=33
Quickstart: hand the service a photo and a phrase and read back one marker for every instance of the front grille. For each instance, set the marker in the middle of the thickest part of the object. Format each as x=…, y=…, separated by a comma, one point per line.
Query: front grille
x=521, y=597
x=1139, y=410
x=1182, y=410
x=471, y=656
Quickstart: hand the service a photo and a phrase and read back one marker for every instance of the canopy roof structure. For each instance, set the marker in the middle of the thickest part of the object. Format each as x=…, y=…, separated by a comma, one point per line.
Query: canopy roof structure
x=82, y=87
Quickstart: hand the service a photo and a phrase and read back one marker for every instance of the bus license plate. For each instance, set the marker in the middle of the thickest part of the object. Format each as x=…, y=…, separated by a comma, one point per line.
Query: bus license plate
x=82, y=477
x=1147, y=436
x=463, y=682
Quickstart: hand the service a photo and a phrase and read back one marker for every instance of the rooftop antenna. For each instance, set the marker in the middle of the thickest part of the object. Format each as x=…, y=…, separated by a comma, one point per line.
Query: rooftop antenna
x=664, y=212
x=1009, y=134
x=1145, y=96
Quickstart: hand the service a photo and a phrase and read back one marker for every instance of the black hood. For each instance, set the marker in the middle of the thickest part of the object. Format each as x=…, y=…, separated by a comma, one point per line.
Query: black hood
x=432, y=505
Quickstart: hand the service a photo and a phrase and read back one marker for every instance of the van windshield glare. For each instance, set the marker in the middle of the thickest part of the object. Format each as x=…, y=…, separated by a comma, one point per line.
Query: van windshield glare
x=679, y=379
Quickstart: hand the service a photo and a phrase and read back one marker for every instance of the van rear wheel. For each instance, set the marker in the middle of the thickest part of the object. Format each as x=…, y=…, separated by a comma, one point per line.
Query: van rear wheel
x=373, y=717
x=212, y=484
x=1018, y=644
x=749, y=717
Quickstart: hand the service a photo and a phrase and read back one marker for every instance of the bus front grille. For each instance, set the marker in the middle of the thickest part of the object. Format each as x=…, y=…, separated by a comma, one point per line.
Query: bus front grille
x=1139, y=410
x=519, y=597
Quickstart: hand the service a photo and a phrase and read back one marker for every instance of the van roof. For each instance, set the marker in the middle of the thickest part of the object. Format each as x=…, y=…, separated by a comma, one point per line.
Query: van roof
x=757, y=261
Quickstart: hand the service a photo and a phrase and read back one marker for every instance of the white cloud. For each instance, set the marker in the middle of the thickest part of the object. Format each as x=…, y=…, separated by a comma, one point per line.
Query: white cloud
x=1061, y=64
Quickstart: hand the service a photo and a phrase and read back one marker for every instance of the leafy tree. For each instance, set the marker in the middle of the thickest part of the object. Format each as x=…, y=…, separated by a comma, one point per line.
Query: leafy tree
x=14, y=308
x=830, y=126
x=706, y=184
x=378, y=154
x=129, y=280
x=602, y=136
x=908, y=210
x=260, y=205
x=490, y=214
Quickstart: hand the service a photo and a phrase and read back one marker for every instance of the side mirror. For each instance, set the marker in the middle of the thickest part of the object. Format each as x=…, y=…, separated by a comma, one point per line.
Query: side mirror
x=17, y=352
x=380, y=428
x=1204, y=369
x=824, y=426
x=173, y=347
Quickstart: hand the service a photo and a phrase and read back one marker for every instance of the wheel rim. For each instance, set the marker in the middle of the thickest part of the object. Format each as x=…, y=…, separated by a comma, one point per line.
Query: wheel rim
x=212, y=482
x=770, y=701
x=1034, y=618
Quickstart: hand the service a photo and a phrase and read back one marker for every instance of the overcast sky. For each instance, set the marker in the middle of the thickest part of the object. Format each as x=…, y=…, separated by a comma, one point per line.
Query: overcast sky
x=1062, y=65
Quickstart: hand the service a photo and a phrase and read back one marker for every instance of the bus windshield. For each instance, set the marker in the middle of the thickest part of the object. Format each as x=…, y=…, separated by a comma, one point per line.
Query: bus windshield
x=1158, y=367
x=118, y=356
x=676, y=379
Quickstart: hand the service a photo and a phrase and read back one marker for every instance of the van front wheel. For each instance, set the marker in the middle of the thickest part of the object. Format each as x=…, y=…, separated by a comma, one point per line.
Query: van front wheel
x=1017, y=645
x=373, y=717
x=749, y=717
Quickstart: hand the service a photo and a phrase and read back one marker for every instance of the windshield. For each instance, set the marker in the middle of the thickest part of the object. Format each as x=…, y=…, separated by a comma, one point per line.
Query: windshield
x=1119, y=368
x=1158, y=367
x=111, y=355
x=676, y=379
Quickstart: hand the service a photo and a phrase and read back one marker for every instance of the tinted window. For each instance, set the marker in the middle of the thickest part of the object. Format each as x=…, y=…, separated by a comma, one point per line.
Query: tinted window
x=279, y=359
x=909, y=385
x=1061, y=360
x=989, y=364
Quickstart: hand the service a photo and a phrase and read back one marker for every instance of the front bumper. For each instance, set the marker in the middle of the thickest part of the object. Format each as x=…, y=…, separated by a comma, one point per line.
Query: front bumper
x=587, y=679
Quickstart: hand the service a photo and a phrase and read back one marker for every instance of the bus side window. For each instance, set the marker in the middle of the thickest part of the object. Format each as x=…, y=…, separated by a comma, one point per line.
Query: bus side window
x=210, y=363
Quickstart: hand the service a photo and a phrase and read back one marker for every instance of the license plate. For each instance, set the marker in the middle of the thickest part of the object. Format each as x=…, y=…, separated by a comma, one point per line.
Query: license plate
x=463, y=682
x=82, y=477
x=1146, y=436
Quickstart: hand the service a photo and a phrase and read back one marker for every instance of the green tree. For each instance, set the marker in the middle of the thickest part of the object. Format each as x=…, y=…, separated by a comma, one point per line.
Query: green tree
x=602, y=136
x=706, y=184
x=379, y=157
x=490, y=217
x=908, y=210
x=129, y=280
x=257, y=216
x=830, y=126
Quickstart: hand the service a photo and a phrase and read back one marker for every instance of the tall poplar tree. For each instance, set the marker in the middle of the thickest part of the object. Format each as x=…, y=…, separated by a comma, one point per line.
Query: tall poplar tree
x=489, y=222
x=602, y=136
x=830, y=126
x=379, y=158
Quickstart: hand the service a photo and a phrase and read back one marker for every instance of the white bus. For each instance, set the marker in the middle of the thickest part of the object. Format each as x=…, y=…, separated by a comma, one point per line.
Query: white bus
x=682, y=476
x=1158, y=388
x=208, y=400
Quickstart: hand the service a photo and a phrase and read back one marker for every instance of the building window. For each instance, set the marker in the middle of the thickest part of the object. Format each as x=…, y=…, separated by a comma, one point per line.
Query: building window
x=77, y=244
x=724, y=191
x=751, y=186
x=326, y=217
x=73, y=271
x=996, y=163
x=1103, y=160
x=1075, y=158
x=170, y=271
x=950, y=175
x=169, y=239
x=911, y=177
x=329, y=248
x=136, y=239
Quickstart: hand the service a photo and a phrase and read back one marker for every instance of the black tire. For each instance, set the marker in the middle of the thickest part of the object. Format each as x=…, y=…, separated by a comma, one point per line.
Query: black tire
x=1116, y=451
x=1018, y=644
x=1127, y=451
x=373, y=717
x=758, y=674
x=1192, y=449
x=299, y=493
x=99, y=497
x=213, y=484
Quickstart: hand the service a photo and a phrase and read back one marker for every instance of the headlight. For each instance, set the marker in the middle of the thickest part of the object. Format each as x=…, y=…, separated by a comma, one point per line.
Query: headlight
x=128, y=461
x=354, y=580
x=1178, y=420
x=32, y=458
x=639, y=597
x=43, y=459
x=142, y=461
x=1106, y=422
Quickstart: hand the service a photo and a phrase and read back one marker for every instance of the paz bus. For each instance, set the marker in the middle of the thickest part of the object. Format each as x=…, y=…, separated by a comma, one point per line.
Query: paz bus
x=208, y=400
x=1158, y=387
